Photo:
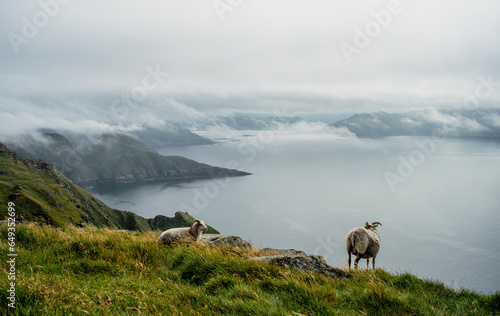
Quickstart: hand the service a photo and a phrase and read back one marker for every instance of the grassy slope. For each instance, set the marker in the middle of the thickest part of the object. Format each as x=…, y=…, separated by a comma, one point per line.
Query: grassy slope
x=101, y=272
x=49, y=197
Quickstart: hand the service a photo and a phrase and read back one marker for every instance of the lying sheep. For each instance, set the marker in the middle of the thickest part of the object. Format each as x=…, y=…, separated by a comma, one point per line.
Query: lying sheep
x=363, y=242
x=174, y=235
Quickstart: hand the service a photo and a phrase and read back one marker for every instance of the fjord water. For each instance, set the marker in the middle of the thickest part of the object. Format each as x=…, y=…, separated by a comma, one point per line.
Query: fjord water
x=308, y=190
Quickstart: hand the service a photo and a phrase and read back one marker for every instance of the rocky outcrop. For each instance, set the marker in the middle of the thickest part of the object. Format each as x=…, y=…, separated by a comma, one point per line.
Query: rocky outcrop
x=224, y=240
x=293, y=259
x=285, y=258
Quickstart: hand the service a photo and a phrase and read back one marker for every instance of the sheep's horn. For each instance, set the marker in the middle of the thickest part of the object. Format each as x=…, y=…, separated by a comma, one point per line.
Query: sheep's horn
x=376, y=223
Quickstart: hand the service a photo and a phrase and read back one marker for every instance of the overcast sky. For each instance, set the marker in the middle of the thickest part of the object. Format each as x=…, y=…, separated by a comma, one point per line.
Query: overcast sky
x=70, y=63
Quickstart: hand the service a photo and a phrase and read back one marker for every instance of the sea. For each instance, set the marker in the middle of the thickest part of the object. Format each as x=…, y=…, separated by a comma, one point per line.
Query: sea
x=438, y=199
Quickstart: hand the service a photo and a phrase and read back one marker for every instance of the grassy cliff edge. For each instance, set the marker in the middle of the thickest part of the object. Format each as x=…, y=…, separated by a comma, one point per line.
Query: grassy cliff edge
x=96, y=271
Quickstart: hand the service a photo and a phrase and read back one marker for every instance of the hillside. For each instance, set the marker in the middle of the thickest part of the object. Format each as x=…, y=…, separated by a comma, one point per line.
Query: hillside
x=116, y=158
x=479, y=123
x=44, y=195
x=108, y=272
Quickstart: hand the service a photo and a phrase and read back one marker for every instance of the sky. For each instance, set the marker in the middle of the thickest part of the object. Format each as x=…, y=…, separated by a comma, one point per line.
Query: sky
x=95, y=64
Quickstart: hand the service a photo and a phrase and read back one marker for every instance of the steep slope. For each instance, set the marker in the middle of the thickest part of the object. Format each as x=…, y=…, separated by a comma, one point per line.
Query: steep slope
x=42, y=194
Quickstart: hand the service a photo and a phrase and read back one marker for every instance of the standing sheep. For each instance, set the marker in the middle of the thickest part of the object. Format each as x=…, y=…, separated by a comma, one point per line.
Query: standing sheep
x=363, y=242
x=174, y=235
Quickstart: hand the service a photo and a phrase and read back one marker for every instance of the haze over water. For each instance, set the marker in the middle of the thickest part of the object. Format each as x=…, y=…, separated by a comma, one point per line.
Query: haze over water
x=308, y=190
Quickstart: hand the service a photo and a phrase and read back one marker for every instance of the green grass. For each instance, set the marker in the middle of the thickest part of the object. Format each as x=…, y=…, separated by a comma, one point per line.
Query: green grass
x=95, y=271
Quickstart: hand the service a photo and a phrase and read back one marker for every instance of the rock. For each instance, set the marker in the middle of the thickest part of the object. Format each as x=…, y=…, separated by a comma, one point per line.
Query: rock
x=224, y=240
x=81, y=224
x=159, y=220
x=14, y=197
x=20, y=218
x=285, y=258
x=282, y=252
x=86, y=217
x=303, y=262
x=18, y=187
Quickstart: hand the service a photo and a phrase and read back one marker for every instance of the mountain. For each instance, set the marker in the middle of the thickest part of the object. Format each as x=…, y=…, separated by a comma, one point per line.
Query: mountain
x=117, y=158
x=153, y=137
x=169, y=136
x=478, y=123
x=42, y=194
x=247, y=122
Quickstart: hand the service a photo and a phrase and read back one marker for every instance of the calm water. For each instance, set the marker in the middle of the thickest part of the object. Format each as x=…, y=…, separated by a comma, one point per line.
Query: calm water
x=307, y=191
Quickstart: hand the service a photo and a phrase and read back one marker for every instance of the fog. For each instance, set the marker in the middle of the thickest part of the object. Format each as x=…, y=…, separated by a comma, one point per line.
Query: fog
x=78, y=64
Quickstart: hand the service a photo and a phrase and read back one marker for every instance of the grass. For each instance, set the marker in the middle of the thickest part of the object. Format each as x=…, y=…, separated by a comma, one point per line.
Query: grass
x=96, y=271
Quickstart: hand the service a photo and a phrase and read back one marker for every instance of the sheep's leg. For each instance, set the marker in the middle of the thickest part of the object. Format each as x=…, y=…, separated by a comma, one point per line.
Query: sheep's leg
x=358, y=257
x=373, y=262
x=367, y=263
x=349, y=259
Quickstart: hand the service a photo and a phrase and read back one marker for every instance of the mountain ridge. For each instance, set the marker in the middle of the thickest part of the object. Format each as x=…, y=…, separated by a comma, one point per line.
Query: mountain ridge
x=454, y=123
x=114, y=158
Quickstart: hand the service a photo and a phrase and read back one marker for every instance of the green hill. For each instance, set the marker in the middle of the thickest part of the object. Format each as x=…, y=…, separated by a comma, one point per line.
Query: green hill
x=94, y=271
x=113, y=158
x=42, y=194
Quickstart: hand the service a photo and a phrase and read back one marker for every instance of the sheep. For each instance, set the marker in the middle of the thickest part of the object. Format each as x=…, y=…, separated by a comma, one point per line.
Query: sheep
x=174, y=235
x=364, y=242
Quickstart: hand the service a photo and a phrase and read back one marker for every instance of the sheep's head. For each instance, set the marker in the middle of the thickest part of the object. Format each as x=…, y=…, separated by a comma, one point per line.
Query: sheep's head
x=372, y=225
x=200, y=225
x=196, y=228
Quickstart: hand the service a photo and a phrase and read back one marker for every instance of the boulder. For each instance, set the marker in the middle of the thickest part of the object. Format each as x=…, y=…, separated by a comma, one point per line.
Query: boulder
x=224, y=240
x=304, y=263
x=14, y=197
x=285, y=258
